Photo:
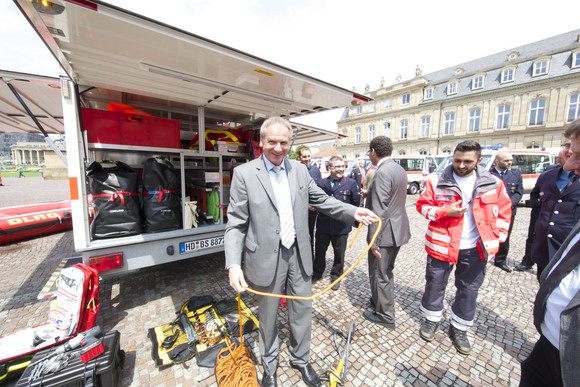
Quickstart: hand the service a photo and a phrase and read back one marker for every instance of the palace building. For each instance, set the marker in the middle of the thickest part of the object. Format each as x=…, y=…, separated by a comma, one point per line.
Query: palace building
x=518, y=98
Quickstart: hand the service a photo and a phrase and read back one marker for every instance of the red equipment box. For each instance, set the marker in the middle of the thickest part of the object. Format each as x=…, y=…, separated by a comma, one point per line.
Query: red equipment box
x=106, y=127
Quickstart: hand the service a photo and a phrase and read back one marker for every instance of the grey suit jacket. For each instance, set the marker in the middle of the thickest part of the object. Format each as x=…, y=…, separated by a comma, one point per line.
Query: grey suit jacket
x=387, y=197
x=253, y=228
x=569, y=323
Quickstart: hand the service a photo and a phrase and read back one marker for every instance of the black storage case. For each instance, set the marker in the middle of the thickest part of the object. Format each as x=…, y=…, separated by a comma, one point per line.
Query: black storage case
x=102, y=371
x=161, y=197
x=115, y=189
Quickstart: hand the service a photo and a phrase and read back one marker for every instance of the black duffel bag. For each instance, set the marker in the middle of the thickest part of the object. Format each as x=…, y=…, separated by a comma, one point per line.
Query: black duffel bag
x=115, y=189
x=161, y=197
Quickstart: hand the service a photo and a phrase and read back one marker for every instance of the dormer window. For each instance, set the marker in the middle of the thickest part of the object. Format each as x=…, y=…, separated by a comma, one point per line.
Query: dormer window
x=576, y=59
x=452, y=88
x=513, y=56
x=358, y=110
x=477, y=82
x=508, y=75
x=458, y=71
x=541, y=67
x=428, y=94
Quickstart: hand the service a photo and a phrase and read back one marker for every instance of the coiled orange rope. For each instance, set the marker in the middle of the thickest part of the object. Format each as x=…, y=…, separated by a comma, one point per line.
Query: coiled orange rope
x=234, y=366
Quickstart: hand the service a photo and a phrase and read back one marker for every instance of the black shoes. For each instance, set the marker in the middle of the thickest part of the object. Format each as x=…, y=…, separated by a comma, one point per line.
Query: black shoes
x=269, y=381
x=504, y=267
x=315, y=279
x=522, y=267
x=459, y=339
x=336, y=286
x=428, y=330
x=371, y=316
x=308, y=374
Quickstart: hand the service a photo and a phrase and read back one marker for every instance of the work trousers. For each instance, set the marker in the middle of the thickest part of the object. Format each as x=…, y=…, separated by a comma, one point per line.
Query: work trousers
x=339, y=248
x=542, y=367
x=382, y=282
x=527, y=259
x=504, y=248
x=469, y=275
x=290, y=274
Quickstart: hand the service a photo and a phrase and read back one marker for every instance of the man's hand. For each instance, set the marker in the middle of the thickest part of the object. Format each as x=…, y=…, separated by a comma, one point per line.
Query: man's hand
x=455, y=211
x=365, y=216
x=376, y=252
x=311, y=209
x=237, y=280
x=363, y=193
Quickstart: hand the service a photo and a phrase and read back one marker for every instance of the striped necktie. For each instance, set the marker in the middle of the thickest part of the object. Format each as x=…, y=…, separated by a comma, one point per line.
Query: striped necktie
x=282, y=192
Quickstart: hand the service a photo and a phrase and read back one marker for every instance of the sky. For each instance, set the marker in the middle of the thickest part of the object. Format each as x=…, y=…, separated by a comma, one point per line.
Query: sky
x=346, y=43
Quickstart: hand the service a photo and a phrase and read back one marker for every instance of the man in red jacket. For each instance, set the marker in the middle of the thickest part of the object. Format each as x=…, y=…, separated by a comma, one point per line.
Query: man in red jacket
x=470, y=214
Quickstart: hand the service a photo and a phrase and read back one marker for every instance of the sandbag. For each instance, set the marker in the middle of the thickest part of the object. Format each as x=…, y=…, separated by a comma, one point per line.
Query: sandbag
x=161, y=197
x=115, y=190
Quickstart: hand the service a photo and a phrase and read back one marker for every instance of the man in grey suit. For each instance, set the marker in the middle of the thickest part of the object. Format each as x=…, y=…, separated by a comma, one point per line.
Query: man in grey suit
x=554, y=359
x=268, y=226
x=386, y=197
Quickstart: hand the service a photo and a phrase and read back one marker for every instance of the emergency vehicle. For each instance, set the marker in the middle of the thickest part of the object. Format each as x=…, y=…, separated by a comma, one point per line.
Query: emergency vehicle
x=416, y=167
x=179, y=80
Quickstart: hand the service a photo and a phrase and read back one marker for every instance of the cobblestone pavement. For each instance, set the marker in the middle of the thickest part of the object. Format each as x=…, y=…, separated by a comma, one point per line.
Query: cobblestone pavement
x=502, y=337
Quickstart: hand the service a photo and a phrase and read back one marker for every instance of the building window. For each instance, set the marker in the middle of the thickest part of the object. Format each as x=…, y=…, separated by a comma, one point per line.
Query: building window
x=574, y=107
x=404, y=128
x=477, y=82
x=474, y=120
x=357, y=136
x=449, y=123
x=425, y=123
x=387, y=130
x=373, y=107
x=406, y=99
x=388, y=103
x=428, y=94
x=358, y=110
x=371, y=132
x=345, y=133
x=423, y=152
x=452, y=88
x=576, y=59
x=540, y=67
x=503, y=116
x=537, y=110
x=507, y=75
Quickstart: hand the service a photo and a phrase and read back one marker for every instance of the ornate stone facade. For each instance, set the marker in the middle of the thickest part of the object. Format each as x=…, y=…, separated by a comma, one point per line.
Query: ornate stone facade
x=519, y=98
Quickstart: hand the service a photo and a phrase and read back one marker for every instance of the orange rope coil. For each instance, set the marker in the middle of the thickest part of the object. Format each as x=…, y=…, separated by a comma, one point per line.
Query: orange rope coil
x=234, y=366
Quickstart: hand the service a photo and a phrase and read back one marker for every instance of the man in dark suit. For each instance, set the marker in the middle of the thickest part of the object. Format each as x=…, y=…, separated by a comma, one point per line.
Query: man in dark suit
x=554, y=359
x=527, y=263
x=304, y=156
x=515, y=188
x=333, y=231
x=559, y=195
x=358, y=174
x=387, y=197
x=268, y=226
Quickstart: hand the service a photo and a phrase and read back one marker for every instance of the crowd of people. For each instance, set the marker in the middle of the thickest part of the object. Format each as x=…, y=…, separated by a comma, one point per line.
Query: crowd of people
x=470, y=211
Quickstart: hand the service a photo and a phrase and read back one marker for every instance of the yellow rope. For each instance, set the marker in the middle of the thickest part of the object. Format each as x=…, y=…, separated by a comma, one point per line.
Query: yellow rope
x=234, y=366
x=364, y=253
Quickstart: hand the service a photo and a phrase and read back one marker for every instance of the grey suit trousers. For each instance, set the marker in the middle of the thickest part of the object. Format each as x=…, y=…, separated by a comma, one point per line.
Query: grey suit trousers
x=289, y=273
x=382, y=282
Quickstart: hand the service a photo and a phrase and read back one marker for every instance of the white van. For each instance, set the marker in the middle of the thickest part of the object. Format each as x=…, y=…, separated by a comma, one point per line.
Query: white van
x=187, y=87
x=529, y=162
x=416, y=166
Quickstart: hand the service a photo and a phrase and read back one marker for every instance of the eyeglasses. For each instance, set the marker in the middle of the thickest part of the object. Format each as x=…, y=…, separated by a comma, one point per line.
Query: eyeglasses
x=338, y=167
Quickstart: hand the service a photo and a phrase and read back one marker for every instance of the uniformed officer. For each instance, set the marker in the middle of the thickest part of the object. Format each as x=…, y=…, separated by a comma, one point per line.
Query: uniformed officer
x=515, y=187
x=559, y=211
x=329, y=230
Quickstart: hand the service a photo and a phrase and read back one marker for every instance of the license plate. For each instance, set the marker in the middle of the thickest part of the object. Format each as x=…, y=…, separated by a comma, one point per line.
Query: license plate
x=202, y=244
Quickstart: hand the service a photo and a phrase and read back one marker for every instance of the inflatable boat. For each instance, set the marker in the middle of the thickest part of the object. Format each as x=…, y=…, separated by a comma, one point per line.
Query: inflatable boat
x=33, y=220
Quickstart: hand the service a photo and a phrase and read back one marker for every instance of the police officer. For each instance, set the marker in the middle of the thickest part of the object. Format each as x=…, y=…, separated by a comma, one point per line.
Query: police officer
x=333, y=231
x=515, y=187
x=559, y=210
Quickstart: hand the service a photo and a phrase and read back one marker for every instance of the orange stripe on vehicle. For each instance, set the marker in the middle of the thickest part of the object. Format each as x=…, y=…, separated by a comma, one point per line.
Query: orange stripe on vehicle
x=73, y=188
